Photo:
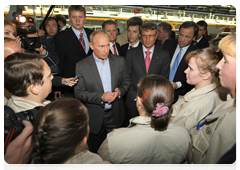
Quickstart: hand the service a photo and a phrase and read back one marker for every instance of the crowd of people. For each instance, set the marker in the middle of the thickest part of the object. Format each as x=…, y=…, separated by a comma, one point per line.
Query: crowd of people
x=152, y=100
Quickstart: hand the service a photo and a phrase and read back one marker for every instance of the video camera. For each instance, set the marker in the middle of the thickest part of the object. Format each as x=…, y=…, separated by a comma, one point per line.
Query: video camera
x=26, y=25
x=13, y=122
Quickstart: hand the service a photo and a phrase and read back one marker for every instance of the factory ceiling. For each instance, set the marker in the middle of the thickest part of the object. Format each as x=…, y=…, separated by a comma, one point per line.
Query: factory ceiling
x=215, y=14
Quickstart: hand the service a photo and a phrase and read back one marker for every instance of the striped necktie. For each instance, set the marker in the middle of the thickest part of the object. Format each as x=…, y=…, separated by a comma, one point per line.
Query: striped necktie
x=82, y=41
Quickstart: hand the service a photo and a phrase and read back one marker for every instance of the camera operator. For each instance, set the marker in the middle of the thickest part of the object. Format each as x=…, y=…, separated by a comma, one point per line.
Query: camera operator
x=31, y=41
x=51, y=28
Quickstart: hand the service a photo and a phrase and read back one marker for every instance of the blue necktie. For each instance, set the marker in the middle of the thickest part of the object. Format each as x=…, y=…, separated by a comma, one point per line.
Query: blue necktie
x=175, y=66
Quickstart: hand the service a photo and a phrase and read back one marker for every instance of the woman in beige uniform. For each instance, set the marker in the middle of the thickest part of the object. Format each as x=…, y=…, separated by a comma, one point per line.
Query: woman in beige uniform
x=201, y=73
x=150, y=138
x=214, y=135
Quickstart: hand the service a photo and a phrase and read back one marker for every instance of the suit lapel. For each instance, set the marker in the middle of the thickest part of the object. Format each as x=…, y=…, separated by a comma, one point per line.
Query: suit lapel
x=112, y=70
x=140, y=58
x=174, y=47
x=95, y=72
x=75, y=41
x=155, y=58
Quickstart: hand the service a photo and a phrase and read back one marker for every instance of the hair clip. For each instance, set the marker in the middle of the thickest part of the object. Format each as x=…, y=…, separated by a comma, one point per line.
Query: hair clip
x=145, y=95
x=161, y=110
x=42, y=168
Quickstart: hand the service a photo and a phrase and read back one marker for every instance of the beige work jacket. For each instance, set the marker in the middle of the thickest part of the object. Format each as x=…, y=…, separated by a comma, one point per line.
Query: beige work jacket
x=86, y=157
x=19, y=104
x=216, y=137
x=196, y=104
x=141, y=144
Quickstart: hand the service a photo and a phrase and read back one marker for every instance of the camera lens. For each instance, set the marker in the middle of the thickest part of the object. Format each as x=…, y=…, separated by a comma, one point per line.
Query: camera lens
x=32, y=42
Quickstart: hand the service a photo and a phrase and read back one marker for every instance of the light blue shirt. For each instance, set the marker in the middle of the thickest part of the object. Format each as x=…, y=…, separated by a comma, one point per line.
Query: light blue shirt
x=105, y=75
x=184, y=49
x=77, y=33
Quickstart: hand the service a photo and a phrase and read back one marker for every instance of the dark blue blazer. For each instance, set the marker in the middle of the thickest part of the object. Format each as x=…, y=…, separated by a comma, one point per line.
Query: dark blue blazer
x=203, y=43
x=170, y=46
x=124, y=49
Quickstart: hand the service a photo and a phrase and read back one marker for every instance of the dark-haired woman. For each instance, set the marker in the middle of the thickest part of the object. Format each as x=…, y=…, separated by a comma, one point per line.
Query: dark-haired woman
x=149, y=139
x=60, y=134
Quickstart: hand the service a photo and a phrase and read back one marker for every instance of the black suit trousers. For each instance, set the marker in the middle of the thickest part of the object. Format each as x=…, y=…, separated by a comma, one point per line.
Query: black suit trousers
x=107, y=126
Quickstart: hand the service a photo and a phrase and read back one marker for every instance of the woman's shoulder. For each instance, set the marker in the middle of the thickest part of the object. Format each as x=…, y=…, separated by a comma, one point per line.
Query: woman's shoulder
x=86, y=157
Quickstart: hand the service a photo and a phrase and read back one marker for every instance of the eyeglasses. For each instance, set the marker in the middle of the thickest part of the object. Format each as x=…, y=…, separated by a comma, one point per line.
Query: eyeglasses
x=148, y=36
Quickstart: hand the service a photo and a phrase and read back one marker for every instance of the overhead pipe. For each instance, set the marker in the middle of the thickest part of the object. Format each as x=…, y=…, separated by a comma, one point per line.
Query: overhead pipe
x=176, y=8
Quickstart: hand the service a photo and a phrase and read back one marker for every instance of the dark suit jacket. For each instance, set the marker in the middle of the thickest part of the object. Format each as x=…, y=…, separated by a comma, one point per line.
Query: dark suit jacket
x=124, y=49
x=160, y=64
x=203, y=43
x=49, y=44
x=70, y=51
x=118, y=49
x=89, y=89
x=170, y=46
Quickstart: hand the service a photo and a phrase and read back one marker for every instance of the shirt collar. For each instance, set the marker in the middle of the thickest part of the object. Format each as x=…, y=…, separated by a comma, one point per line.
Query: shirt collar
x=221, y=109
x=111, y=44
x=63, y=28
x=97, y=60
x=151, y=50
x=77, y=33
x=135, y=45
x=140, y=120
x=199, y=39
x=202, y=91
x=183, y=48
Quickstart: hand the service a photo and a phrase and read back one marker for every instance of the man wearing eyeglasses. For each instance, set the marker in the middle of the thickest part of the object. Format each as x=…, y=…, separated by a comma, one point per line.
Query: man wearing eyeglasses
x=178, y=49
x=145, y=59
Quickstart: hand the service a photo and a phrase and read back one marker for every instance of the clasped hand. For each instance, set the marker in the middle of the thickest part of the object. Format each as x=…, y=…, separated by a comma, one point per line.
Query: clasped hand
x=109, y=97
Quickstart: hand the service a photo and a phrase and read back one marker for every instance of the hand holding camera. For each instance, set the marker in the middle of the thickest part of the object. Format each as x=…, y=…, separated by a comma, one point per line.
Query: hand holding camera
x=19, y=150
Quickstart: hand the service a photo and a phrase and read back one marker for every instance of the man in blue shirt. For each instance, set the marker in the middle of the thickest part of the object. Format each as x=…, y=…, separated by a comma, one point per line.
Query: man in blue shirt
x=103, y=80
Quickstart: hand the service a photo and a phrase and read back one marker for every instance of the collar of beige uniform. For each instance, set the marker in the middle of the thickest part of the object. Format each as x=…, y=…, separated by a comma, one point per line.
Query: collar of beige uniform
x=221, y=109
x=20, y=101
x=199, y=92
x=140, y=120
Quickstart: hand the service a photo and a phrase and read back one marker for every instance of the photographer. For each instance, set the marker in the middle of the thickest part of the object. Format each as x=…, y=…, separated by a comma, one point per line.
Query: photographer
x=32, y=43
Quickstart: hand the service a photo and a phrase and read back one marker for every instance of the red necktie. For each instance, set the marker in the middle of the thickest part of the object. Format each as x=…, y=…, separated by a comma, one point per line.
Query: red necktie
x=131, y=47
x=82, y=41
x=115, y=51
x=147, y=60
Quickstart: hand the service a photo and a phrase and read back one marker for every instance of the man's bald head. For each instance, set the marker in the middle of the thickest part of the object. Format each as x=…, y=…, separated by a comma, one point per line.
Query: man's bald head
x=98, y=32
x=10, y=47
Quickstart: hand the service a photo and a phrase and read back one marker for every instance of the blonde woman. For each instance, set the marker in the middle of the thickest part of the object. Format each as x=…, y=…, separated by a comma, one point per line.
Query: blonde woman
x=202, y=99
x=215, y=134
